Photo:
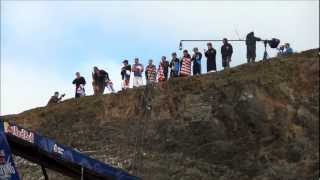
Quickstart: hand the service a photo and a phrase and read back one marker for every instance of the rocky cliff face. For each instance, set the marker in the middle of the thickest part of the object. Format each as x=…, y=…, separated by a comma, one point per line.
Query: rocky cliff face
x=255, y=121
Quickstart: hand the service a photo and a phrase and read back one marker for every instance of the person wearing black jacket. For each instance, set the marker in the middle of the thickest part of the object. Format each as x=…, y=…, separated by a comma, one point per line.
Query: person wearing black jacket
x=174, y=65
x=211, y=58
x=125, y=74
x=251, y=46
x=196, y=58
x=55, y=99
x=165, y=65
x=79, y=81
x=226, y=53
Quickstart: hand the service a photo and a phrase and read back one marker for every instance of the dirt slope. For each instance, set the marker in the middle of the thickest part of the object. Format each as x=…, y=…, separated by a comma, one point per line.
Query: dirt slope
x=255, y=121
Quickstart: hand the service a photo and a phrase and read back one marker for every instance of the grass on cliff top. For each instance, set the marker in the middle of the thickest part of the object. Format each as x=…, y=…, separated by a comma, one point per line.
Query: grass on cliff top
x=274, y=70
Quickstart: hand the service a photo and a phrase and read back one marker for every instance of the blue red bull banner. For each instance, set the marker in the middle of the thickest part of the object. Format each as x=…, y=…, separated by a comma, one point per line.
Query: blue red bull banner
x=57, y=151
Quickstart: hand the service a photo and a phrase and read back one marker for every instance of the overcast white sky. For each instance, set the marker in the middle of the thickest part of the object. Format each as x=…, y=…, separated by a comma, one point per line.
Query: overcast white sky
x=43, y=43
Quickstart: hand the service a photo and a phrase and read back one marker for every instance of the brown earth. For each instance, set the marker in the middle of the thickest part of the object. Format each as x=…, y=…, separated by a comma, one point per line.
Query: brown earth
x=254, y=121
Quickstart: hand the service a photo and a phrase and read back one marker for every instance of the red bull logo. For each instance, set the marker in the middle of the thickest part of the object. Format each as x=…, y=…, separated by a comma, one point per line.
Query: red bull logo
x=20, y=133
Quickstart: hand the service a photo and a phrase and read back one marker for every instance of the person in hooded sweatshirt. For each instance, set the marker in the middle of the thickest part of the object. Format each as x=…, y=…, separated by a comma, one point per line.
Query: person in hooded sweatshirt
x=251, y=47
x=196, y=58
x=185, y=64
x=80, y=82
x=174, y=65
x=211, y=58
x=99, y=80
x=226, y=53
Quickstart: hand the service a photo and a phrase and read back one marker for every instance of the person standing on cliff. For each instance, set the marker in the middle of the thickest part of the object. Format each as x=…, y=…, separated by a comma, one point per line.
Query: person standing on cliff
x=196, y=58
x=174, y=65
x=226, y=53
x=251, y=47
x=80, y=82
x=165, y=66
x=151, y=73
x=109, y=83
x=99, y=78
x=161, y=72
x=185, y=64
x=211, y=58
x=137, y=70
x=125, y=74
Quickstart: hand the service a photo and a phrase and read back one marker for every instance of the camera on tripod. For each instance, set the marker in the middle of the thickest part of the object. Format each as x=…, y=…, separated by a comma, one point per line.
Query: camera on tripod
x=273, y=43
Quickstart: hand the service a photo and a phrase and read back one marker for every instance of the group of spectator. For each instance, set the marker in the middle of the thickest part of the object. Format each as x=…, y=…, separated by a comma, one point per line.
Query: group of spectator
x=179, y=67
x=176, y=67
x=285, y=50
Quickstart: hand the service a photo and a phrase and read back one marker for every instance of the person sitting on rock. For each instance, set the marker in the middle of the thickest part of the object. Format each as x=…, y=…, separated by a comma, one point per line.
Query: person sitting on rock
x=280, y=50
x=55, y=99
x=287, y=49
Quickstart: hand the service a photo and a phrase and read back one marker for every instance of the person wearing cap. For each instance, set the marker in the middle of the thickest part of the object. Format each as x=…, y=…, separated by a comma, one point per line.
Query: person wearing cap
x=196, y=58
x=211, y=58
x=174, y=65
x=80, y=82
x=137, y=70
x=185, y=64
x=55, y=99
x=125, y=74
x=251, y=47
x=151, y=72
x=226, y=53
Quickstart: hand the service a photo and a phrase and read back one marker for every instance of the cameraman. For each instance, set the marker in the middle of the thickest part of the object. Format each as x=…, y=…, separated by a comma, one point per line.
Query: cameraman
x=55, y=99
x=251, y=47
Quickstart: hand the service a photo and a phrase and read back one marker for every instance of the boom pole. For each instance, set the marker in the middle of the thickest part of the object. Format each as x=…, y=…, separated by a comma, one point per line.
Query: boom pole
x=208, y=40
